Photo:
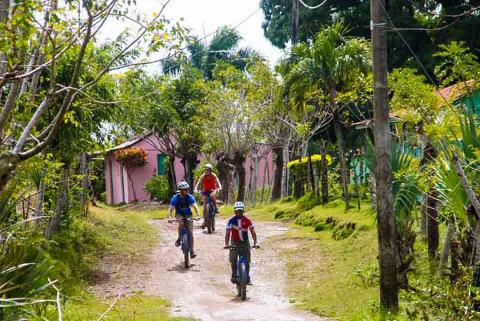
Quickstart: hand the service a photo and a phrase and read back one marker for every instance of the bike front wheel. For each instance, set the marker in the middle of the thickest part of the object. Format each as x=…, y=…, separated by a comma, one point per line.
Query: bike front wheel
x=186, y=250
x=242, y=284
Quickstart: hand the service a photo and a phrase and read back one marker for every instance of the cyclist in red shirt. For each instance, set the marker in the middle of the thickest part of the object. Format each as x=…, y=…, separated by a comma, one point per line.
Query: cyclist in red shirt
x=238, y=226
x=210, y=186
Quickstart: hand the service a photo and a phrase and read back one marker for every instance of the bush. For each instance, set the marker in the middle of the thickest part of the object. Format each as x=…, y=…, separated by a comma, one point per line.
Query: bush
x=307, y=202
x=75, y=252
x=159, y=188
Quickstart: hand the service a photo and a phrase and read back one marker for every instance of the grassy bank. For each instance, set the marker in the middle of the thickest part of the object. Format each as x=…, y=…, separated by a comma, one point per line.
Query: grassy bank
x=126, y=236
x=331, y=271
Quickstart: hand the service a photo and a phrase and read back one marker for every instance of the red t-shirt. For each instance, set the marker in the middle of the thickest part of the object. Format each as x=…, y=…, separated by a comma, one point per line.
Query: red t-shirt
x=239, y=227
x=209, y=182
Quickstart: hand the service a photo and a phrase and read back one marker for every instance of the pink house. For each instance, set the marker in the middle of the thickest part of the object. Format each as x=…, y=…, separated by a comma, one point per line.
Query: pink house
x=118, y=185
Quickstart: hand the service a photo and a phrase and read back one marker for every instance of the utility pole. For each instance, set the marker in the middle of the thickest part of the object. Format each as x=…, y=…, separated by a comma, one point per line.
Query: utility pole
x=295, y=20
x=387, y=252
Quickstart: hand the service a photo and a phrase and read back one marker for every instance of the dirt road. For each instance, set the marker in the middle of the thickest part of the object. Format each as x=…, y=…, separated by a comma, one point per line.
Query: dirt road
x=205, y=292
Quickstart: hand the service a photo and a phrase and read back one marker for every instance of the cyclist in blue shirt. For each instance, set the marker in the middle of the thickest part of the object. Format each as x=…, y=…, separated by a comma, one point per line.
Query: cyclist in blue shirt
x=182, y=203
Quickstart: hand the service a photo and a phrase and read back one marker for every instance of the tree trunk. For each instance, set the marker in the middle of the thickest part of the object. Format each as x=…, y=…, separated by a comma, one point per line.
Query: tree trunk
x=423, y=219
x=40, y=197
x=239, y=161
x=476, y=205
x=4, y=9
x=295, y=20
x=61, y=207
x=253, y=181
x=383, y=168
x=341, y=146
x=311, y=174
x=278, y=173
x=324, y=172
x=432, y=224
x=84, y=192
x=446, y=248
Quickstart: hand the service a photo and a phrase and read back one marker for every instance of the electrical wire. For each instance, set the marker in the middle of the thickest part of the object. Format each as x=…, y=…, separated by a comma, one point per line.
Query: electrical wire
x=463, y=14
x=312, y=7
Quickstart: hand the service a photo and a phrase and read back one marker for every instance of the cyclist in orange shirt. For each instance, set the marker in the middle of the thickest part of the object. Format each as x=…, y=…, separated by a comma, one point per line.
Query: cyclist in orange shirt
x=210, y=186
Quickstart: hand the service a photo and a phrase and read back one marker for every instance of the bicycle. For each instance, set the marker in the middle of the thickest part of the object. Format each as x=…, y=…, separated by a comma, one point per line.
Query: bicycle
x=243, y=272
x=209, y=213
x=185, y=244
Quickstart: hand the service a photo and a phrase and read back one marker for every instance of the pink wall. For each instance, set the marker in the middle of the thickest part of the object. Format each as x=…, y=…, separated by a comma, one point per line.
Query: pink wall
x=141, y=175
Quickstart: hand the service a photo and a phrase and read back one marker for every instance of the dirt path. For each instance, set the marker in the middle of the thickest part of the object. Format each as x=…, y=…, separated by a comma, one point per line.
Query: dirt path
x=204, y=291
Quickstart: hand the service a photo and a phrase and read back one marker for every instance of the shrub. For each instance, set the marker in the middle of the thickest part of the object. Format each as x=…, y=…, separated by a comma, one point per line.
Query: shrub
x=159, y=188
x=307, y=201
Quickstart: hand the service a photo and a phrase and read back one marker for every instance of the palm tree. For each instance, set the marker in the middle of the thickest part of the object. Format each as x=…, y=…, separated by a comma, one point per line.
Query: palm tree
x=224, y=46
x=329, y=64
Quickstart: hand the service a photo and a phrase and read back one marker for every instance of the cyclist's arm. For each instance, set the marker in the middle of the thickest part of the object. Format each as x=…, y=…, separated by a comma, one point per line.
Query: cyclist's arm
x=200, y=180
x=254, y=235
x=170, y=211
x=195, y=208
x=219, y=185
x=227, y=237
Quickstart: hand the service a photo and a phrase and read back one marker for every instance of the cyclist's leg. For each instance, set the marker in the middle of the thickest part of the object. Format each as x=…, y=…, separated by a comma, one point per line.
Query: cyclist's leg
x=180, y=228
x=204, y=199
x=190, y=230
x=233, y=264
x=213, y=197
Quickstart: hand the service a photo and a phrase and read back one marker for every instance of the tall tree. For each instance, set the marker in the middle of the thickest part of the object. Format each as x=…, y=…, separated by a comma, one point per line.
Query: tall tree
x=330, y=63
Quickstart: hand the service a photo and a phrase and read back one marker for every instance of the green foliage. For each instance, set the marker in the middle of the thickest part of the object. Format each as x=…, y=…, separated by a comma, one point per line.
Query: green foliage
x=75, y=251
x=307, y=201
x=158, y=187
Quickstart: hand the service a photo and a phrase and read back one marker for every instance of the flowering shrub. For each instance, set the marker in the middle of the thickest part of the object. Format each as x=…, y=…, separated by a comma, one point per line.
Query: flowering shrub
x=131, y=157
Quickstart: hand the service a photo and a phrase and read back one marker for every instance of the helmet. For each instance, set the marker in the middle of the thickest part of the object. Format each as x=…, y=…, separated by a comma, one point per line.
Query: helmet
x=209, y=166
x=183, y=185
x=239, y=206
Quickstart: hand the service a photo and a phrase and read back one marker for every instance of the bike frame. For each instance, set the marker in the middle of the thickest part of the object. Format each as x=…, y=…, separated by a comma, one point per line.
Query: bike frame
x=208, y=200
x=185, y=231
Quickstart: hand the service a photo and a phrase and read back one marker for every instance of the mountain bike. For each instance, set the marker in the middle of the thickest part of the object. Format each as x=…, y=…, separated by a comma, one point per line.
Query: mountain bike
x=185, y=244
x=243, y=272
x=209, y=214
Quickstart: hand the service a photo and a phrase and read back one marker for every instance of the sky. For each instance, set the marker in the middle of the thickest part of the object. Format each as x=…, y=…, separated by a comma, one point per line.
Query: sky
x=205, y=16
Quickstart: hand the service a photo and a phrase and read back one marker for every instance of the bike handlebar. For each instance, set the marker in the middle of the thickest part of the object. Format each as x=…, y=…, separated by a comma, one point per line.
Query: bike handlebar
x=232, y=247
x=186, y=219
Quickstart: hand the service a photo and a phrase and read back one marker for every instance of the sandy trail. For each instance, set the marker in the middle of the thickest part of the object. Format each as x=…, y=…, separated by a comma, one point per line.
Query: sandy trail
x=204, y=291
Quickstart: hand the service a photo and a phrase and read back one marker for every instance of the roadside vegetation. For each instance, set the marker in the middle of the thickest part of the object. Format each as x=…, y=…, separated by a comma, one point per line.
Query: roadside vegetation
x=67, y=97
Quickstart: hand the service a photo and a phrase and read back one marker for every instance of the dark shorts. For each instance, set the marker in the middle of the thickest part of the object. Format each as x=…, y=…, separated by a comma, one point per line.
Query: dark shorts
x=243, y=248
x=205, y=193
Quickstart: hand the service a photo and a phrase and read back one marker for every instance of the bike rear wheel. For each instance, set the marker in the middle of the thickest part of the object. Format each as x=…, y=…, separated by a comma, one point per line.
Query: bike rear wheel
x=208, y=218
x=186, y=247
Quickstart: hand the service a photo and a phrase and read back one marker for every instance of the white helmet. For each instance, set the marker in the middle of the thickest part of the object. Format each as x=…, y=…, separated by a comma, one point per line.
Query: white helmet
x=239, y=206
x=183, y=185
x=209, y=166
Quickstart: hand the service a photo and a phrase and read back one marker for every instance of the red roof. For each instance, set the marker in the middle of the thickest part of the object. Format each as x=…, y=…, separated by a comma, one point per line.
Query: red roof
x=455, y=91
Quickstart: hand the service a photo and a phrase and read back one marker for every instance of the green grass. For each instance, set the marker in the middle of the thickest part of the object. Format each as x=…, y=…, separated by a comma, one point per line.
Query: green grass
x=126, y=233
x=334, y=278
x=133, y=308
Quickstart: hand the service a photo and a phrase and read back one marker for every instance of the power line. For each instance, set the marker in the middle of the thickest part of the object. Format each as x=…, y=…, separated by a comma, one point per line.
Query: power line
x=312, y=7
x=466, y=13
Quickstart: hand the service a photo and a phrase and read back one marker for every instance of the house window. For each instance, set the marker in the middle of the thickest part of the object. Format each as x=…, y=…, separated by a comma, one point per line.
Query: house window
x=160, y=164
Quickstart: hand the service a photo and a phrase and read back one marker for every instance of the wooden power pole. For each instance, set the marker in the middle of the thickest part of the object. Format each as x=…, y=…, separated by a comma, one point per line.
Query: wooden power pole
x=383, y=169
x=295, y=20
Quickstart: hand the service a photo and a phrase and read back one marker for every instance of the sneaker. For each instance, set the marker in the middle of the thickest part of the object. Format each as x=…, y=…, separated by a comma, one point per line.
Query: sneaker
x=204, y=225
x=249, y=281
x=177, y=243
x=233, y=280
x=193, y=255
